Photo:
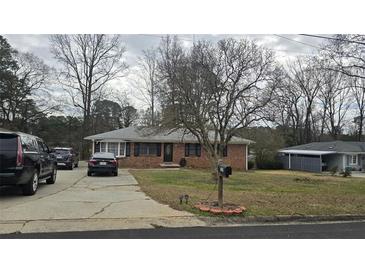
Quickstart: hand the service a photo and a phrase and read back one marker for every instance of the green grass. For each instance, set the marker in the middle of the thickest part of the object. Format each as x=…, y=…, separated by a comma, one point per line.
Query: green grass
x=262, y=192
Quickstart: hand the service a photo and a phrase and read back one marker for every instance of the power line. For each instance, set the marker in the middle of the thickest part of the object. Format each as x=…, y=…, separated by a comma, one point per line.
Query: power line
x=303, y=43
x=333, y=38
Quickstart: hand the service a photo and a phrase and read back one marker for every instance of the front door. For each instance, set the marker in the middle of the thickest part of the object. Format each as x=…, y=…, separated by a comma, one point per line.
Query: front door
x=167, y=152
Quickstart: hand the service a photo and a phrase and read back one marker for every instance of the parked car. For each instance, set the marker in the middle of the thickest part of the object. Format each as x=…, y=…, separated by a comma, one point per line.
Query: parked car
x=102, y=162
x=66, y=157
x=25, y=160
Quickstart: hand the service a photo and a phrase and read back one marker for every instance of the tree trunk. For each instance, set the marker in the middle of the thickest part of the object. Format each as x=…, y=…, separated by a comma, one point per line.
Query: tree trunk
x=361, y=127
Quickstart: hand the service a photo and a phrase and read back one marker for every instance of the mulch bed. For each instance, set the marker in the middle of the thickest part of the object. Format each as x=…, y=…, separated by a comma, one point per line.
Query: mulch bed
x=227, y=209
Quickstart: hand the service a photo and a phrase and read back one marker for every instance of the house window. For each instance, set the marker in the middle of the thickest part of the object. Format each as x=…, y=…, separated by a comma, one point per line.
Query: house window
x=117, y=148
x=148, y=149
x=192, y=150
x=103, y=147
x=353, y=160
x=113, y=148
x=121, y=149
x=97, y=147
x=224, y=150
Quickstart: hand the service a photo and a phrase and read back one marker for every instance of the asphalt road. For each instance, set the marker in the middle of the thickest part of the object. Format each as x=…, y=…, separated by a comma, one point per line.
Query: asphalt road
x=344, y=230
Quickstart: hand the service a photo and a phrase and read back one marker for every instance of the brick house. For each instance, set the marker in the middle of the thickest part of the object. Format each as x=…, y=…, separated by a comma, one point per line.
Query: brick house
x=143, y=148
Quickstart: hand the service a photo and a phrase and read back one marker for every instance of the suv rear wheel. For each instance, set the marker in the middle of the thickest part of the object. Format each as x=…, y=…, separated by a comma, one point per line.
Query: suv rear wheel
x=31, y=187
x=52, y=179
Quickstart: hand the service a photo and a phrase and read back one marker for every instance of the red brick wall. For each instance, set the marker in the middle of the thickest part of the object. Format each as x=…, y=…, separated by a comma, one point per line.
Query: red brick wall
x=236, y=157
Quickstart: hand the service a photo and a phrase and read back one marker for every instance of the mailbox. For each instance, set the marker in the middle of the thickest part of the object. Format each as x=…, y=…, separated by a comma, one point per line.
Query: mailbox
x=225, y=170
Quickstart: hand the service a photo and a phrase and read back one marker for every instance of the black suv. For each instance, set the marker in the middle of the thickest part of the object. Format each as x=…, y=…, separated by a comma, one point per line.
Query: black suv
x=25, y=160
x=66, y=157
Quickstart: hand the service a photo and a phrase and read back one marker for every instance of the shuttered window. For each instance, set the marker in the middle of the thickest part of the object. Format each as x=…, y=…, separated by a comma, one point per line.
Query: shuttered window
x=128, y=149
x=224, y=150
x=192, y=150
x=147, y=149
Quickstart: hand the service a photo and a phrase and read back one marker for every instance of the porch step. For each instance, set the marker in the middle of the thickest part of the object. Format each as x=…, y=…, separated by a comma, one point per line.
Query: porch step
x=169, y=165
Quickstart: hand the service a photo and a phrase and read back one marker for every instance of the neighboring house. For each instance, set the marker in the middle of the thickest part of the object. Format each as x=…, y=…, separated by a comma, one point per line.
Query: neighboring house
x=144, y=148
x=323, y=156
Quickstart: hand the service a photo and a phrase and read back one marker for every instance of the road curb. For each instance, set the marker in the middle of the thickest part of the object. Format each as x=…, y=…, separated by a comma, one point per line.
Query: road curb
x=280, y=219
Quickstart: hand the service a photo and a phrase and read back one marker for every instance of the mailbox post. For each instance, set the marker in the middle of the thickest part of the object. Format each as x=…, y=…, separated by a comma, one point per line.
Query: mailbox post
x=223, y=171
x=220, y=191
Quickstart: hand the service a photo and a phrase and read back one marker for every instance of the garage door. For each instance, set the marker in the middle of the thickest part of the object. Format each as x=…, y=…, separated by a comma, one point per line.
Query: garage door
x=303, y=162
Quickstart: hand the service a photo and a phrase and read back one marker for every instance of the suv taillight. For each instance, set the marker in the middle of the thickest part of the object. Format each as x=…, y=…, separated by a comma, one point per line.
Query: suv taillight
x=114, y=162
x=19, y=154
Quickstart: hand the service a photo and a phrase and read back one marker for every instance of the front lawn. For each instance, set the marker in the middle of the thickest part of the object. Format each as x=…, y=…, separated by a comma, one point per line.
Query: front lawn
x=262, y=192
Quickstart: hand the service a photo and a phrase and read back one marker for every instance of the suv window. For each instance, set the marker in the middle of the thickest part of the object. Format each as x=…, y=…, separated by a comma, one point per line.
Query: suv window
x=46, y=147
x=42, y=146
x=28, y=143
x=8, y=142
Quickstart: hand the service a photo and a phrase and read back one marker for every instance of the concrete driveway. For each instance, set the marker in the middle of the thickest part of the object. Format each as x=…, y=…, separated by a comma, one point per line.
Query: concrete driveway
x=78, y=203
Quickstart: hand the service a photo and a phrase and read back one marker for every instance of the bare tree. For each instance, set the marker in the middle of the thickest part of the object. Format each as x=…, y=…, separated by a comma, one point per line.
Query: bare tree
x=305, y=78
x=146, y=81
x=334, y=99
x=89, y=64
x=129, y=114
x=213, y=90
x=358, y=93
x=293, y=105
x=348, y=52
x=287, y=109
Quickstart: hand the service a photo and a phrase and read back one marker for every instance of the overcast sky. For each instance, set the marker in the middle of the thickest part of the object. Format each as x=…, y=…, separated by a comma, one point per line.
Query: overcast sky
x=285, y=47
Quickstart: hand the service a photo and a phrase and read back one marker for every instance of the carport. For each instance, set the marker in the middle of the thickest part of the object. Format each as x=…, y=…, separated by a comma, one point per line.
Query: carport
x=305, y=160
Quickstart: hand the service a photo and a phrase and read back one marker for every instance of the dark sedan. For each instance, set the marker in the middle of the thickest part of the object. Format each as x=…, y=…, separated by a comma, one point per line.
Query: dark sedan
x=102, y=162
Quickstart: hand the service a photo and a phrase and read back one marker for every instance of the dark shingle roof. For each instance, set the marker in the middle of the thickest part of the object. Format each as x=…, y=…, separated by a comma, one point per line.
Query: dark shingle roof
x=336, y=146
x=151, y=135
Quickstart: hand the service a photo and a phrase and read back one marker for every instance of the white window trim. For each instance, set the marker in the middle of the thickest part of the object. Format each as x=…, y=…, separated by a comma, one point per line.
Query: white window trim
x=125, y=147
x=107, y=146
x=351, y=163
